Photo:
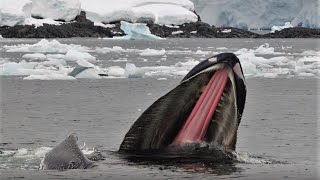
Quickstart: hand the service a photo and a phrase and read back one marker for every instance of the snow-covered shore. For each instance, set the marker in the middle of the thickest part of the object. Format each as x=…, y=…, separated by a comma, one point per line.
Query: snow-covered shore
x=28, y=12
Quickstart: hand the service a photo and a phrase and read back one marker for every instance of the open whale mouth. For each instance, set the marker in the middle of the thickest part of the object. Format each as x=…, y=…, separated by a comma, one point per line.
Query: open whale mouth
x=213, y=118
x=205, y=107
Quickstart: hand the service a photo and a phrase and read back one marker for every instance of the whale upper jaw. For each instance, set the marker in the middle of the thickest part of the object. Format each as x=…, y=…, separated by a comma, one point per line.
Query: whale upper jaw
x=161, y=125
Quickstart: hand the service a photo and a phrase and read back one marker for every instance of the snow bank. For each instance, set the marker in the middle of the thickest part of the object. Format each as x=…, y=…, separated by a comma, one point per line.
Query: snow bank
x=137, y=31
x=56, y=9
x=279, y=28
x=14, y=12
x=159, y=11
x=44, y=45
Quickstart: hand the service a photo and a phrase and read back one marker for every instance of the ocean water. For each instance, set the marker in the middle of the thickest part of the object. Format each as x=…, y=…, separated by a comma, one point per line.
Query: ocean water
x=278, y=137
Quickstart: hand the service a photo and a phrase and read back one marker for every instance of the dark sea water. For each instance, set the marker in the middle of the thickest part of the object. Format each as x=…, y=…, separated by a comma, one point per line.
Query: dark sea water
x=278, y=137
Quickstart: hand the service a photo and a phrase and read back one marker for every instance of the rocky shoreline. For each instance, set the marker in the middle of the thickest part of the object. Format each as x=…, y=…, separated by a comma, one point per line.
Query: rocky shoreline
x=82, y=27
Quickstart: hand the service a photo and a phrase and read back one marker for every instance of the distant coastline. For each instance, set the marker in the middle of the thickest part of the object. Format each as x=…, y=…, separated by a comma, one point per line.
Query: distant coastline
x=82, y=27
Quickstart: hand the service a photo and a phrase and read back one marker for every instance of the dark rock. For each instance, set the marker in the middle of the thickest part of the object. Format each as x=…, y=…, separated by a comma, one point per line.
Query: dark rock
x=82, y=27
x=296, y=32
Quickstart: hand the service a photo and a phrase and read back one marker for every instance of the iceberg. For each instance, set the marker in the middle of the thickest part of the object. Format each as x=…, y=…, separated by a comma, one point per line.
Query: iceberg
x=65, y=10
x=136, y=31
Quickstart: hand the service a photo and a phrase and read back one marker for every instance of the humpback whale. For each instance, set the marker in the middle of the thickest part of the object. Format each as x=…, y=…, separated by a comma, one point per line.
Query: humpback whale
x=206, y=106
x=66, y=155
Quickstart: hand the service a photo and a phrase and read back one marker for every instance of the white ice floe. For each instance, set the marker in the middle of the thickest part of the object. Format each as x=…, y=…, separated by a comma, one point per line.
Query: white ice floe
x=115, y=71
x=1, y=37
x=50, y=77
x=263, y=49
x=202, y=52
x=115, y=49
x=279, y=28
x=159, y=11
x=34, y=56
x=56, y=9
x=131, y=71
x=221, y=48
x=136, y=31
x=44, y=45
x=73, y=55
x=152, y=52
x=14, y=12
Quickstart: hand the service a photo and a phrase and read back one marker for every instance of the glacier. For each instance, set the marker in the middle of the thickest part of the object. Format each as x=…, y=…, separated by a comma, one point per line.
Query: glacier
x=159, y=11
x=22, y=12
x=254, y=14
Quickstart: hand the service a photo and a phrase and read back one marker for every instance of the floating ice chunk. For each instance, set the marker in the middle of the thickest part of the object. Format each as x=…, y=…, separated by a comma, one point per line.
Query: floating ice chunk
x=56, y=9
x=194, y=32
x=249, y=69
x=13, y=12
x=176, y=32
x=310, y=53
x=116, y=49
x=137, y=31
x=152, y=52
x=132, y=71
x=202, y=52
x=266, y=49
x=1, y=37
x=279, y=28
x=162, y=79
x=89, y=73
x=221, y=48
x=188, y=64
x=226, y=31
x=49, y=77
x=54, y=62
x=73, y=55
x=35, y=56
x=115, y=71
x=16, y=69
x=45, y=46
x=262, y=49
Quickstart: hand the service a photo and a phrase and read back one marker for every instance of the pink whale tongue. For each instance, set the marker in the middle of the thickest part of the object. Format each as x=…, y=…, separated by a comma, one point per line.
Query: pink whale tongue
x=198, y=121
